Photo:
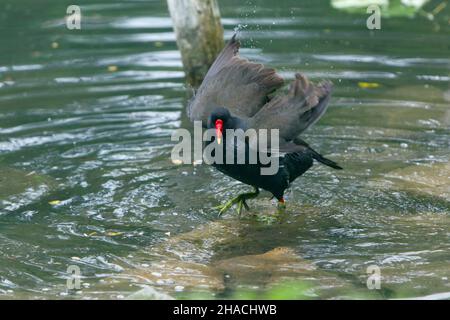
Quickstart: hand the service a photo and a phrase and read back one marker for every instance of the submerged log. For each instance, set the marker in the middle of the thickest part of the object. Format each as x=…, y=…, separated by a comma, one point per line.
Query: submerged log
x=199, y=34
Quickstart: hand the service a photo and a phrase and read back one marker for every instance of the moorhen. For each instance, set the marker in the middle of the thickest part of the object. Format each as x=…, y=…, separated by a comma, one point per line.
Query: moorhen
x=237, y=94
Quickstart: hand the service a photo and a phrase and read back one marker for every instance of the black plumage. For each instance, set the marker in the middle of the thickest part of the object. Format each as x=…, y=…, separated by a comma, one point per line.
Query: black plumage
x=238, y=94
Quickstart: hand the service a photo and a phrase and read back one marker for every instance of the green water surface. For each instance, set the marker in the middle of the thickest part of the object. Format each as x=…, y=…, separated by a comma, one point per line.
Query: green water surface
x=86, y=178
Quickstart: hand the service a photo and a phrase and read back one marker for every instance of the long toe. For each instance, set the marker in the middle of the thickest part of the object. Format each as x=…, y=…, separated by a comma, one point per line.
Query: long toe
x=223, y=208
x=239, y=207
x=240, y=200
x=222, y=211
x=245, y=205
x=226, y=206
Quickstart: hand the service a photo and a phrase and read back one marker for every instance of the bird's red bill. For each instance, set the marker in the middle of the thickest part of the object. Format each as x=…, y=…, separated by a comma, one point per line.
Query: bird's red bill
x=219, y=128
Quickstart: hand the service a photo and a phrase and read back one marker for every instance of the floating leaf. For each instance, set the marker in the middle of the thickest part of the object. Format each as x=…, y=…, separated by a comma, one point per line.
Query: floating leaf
x=54, y=202
x=368, y=85
x=113, y=233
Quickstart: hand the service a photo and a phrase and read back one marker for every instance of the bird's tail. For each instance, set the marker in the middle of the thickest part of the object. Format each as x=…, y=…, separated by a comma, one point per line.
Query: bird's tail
x=298, y=163
x=317, y=156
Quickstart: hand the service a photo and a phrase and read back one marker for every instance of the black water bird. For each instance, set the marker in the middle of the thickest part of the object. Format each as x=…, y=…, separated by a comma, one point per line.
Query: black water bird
x=238, y=94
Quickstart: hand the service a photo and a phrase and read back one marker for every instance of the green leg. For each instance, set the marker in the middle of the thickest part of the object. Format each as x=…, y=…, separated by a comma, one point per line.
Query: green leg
x=240, y=200
x=281, y=207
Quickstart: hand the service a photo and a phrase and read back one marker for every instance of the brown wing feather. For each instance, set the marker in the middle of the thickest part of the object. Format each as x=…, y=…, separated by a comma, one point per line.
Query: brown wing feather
x=234, y=83
x=293, y=113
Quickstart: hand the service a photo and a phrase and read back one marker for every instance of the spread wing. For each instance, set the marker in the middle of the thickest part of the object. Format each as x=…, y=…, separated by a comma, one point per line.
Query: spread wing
x=293, y=113
x=234, y=83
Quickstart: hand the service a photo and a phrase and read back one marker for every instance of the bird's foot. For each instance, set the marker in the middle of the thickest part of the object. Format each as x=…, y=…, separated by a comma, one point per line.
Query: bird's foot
x=240, y=200
x=276, y=217
x=281, y=207
x=226, y=206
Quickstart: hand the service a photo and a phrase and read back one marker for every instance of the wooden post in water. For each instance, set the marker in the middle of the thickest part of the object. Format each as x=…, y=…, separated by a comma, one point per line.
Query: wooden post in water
x=199, y=35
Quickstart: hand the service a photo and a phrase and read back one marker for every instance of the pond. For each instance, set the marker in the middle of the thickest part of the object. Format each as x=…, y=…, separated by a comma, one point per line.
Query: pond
x=86, y=178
